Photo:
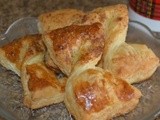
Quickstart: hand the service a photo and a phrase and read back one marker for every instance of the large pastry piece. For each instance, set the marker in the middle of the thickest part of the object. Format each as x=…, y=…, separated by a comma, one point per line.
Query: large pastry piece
x=57, y=19
x=133, y=62
x=25, y=57
x=95, y=94
x=41, y=86
x=73, y=46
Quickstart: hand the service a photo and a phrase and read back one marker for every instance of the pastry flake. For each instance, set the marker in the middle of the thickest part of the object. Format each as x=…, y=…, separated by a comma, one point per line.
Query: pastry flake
x=96, y=94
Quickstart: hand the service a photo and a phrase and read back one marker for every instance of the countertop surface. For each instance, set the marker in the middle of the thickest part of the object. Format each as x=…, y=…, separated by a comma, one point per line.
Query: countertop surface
x=11, y=10
x=15, y=9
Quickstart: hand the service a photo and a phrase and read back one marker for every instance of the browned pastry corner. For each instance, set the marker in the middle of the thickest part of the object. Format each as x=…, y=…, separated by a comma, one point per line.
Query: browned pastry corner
x=12, y=54
x=73, y=46
x=95, y=94
x=59, y=19
x=133, y=62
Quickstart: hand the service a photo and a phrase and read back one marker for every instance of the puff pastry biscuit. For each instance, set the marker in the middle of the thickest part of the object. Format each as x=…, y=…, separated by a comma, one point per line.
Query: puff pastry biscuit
x=41, y=86
x=133, y=62
x=12, y=54
x=73, y=46
x=128, y=63
x=57, y=19
x=95, y=94
x=25, y=57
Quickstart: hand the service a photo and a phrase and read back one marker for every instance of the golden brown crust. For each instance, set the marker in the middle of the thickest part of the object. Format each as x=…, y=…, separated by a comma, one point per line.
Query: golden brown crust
x=75, y=45
x=39, y=78
x=59, y=19
x=35, y=46
x=41, y=86
x=123, y=91
x=12, y=50
x=13, y=54
x=96, y=94
x=91, y=96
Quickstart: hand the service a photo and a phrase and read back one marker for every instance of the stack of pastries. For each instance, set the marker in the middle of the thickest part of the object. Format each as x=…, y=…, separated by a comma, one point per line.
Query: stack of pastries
x=88, y=50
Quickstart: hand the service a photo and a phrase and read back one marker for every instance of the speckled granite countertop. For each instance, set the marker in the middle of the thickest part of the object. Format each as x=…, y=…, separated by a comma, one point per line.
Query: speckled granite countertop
x=15, y=9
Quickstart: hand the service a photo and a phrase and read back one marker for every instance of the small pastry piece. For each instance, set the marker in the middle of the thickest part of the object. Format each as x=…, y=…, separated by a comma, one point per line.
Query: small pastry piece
x=59, y=19
x=133, y=62
x=41, y=86
x=73, y=46
x=12, y=54
x=95, y=94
